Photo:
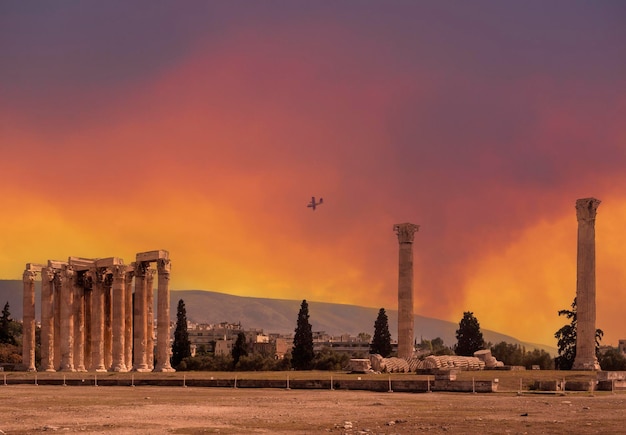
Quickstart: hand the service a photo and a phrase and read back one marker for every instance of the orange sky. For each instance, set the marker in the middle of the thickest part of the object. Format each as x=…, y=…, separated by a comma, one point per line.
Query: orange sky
x=206, y=130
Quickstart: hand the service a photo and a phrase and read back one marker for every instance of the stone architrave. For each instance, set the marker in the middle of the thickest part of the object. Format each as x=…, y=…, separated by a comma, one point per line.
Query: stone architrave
x=97, y=320
x=405, y=232
x=47, y=320
x=28, y=316
x=586, y=286
x=65, y=278
x=128, y=316
x=163, y=317
x=150, y=318
x=139, y=314
x=119, y=319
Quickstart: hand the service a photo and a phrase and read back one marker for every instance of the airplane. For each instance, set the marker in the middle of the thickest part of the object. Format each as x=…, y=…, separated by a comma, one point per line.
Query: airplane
x=314, y=204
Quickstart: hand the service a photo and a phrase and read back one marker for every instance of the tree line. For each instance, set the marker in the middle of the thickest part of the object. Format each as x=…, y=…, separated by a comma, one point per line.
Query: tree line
x=304, y=357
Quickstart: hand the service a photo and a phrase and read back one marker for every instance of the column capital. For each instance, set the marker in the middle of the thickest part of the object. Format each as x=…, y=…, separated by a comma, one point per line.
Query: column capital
x=119, y=272
x=405, y=232
x=29, y=276
x=141, y=268
x=586, y=209
x=164, y=267
x=47, y=274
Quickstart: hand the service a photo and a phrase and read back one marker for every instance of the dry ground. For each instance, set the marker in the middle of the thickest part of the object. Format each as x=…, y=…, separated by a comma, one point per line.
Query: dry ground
x=26, y=409
x=178, y=410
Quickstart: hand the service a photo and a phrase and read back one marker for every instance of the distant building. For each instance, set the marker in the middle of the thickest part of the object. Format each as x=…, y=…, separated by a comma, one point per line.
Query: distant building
x=621, y=346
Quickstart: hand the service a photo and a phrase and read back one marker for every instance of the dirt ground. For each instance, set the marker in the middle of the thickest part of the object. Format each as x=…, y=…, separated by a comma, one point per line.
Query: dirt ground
x=26, y=409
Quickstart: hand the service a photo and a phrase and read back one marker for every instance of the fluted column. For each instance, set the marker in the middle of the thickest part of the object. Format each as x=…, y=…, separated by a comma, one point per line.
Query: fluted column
x=163, y=317
x=405, y=234
x=65, y=278
x=47, y=320
x=586, y=286
x=139, y=314
x=28, y=319
x=128, y=316
x=97, y=320
x=56, y=288
x=79, y=322
x=108, y=319
x=119, y=319
x=150, y=318
x=88, y=292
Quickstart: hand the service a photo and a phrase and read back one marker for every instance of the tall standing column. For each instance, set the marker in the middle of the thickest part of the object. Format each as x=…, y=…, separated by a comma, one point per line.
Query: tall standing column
x=28, y=318
x=108, y=318
x=79, y=322
x=56, y=288
x=586, y=286
x=405, y=234
x=47, y=319
x=128, y=316
x=88, y=292
x=66, y=320
x=139, y=323
x=163, y=317
x=97, y=321
x=119, y=319
x=150, y=318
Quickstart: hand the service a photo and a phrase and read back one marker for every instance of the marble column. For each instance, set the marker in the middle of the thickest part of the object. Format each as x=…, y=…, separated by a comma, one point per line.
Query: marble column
x=405, y=232
x=586, y=286
x=66, y=310
x=128, y=316
x=88, y=292
x=28, y=319
x=150, y=318
x=56, y=288
x=119, y=319
x=97, y=321
x=79, y=322
x=108, y=319
x=47, y=320
x=139, y=315
x=163, y=317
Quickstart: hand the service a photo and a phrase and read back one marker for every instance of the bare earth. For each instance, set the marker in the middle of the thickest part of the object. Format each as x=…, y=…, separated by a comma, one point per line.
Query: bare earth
x=26, y=409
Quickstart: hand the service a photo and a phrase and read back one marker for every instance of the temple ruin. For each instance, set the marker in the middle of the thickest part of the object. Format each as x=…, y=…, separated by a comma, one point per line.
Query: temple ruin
x=91, y=320
x=586, y=285
x=405, y=232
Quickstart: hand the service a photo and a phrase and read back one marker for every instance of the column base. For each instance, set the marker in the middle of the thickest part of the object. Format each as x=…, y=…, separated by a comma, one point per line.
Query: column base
x=120, y=368
x=164, y=369
x=31, y=369
x=67, y=369
x=50, y=370
x=592, y=365
x=141, y=369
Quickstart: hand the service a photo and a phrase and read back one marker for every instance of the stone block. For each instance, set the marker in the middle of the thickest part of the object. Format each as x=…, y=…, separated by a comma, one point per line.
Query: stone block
x=152, y=256
x=109, y=262
x=55, y=264
x=79, y=263
x=611, y=375
x=34, y=267
x=358, y=365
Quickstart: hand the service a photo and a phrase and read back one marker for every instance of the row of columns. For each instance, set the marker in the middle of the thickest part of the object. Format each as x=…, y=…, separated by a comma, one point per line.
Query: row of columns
x=89, y=320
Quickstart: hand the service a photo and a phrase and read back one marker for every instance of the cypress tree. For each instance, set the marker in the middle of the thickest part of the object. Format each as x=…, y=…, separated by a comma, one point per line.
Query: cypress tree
x=240, y=348
x=381, y=343
x=181, y=348
x=302, y=353
x=469, y=338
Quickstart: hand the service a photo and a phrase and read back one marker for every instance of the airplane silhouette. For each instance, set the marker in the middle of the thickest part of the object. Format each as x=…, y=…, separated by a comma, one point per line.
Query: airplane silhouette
x=314, y=204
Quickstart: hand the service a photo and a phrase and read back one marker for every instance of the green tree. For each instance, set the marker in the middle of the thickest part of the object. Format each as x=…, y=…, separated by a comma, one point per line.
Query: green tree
x=181, y=348
x=509, y=354
x=468, y=336
x=7, y=335
x=538, y=357
x=302, y=353
x=566, y=340
x=240, y=348
x=381, y=343
x=612, y=359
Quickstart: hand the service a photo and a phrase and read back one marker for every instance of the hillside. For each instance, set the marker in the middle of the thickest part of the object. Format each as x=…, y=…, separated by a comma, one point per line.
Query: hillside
x=279, y=315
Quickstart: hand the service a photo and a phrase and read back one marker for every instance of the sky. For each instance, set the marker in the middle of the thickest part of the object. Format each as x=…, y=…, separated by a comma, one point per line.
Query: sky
x=204, y=128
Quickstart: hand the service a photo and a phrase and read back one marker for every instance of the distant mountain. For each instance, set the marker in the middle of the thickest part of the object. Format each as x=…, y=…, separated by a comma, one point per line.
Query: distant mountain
x=280, y=315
